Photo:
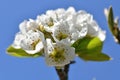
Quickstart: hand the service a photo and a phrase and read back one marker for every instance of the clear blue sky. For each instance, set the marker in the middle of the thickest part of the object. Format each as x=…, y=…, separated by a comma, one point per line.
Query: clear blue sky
x=12, y=12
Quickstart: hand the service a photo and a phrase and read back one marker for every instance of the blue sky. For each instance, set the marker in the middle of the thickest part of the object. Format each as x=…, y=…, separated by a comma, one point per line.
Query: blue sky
x=12, y=12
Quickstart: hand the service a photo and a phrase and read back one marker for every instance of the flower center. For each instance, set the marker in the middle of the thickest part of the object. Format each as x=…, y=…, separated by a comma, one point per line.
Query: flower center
x=50, y=23
x=41, y=28
x=57, y=55
x=34, y=43
x=61, y=36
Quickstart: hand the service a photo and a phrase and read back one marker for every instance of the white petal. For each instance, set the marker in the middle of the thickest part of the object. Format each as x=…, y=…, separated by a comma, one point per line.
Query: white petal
x=71, y=10
x=106, y=13
x=17, y=40
x=79, y=31
x=83, y=16
x=93, y=28
x=23, y=26
x=102, y=35
x=60, y=11
x=49, y=46
x=38, y=48
x=32, y=25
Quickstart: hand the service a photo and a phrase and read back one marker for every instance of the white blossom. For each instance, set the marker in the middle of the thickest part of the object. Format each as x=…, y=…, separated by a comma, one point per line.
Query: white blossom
x=32, y=42
x=93, y=28
x=55, y=32
x=95, y=31
x=59, y=53
x=46, y=22
x=61, y=31
x=78, y=31
x=69, y=14
x=57, y=14
x=83, y=17
x=25, y=26
x=78, y=25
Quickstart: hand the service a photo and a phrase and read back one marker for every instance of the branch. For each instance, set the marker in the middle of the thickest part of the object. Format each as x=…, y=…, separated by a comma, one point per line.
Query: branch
x=63, y=73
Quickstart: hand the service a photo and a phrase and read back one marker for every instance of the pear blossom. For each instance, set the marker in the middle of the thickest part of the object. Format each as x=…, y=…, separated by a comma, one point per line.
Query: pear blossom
x=78, y=25
x=78, y=31
x=61, y=31
x=68, y=14
x=46, y=22
x=83, y=17
x=56, y=14
x=33, y=42
x=25, y=26
x=59, y=53
x=54, y=32
x=95, y=31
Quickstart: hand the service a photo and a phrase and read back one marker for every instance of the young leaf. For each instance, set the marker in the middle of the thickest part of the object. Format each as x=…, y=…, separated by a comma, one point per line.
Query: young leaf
x=111, y=20
x=89, y=48
x=88, y=44
x=95, y=45
x=113, y=25
x=94, y=57
x=21, y=53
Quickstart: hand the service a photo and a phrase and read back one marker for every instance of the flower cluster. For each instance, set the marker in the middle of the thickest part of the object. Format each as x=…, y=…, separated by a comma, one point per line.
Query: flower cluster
x=55, y=32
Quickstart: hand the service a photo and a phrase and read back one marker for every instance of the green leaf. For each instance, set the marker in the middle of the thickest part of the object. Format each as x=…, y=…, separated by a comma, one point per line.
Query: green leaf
x=89, y=48
x=95, y=44
x=113, y=25
x=111, y=20
x=94, y=57
x=21, y=53
x=88, y=44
